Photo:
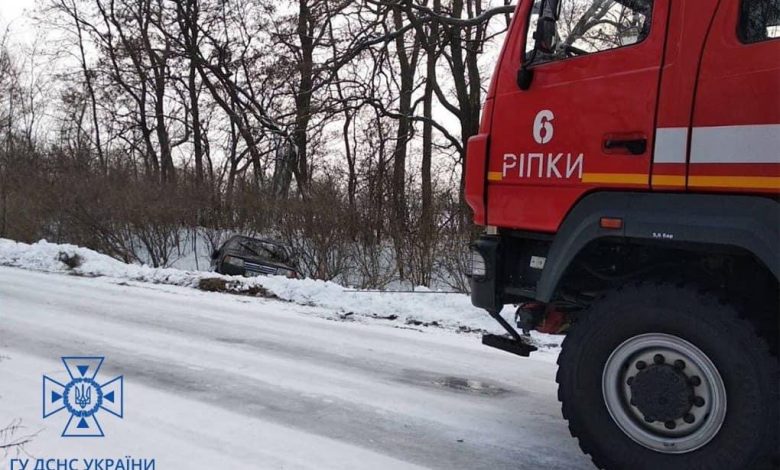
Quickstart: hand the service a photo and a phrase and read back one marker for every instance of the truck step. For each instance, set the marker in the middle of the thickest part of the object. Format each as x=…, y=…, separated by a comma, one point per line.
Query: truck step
x=521, y=348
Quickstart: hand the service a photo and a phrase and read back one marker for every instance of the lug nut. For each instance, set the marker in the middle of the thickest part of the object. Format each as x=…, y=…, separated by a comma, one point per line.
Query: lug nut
x=679, y=364
x=649, y=419
x=698, y=401
x=695, y=381
x=641, y=365
x=659, y=359
x=689, y=418
x=629, y=381
x=670, y=425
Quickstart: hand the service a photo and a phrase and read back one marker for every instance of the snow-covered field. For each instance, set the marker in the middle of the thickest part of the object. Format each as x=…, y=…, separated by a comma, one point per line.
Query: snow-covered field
x=214, y=380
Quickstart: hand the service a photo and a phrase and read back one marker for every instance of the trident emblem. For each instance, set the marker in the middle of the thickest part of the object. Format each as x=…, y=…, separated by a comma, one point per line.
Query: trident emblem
x=83, y=395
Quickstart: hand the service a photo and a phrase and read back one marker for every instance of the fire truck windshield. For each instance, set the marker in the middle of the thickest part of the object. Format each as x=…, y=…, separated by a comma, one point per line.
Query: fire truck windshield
x=589, y=26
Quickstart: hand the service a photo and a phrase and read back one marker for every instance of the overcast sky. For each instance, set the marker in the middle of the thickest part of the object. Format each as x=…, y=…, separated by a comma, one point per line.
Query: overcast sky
x=13, y=8
x=12, y=12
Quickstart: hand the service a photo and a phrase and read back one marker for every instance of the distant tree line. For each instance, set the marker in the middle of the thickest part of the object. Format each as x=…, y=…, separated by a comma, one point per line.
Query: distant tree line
x=339, y=126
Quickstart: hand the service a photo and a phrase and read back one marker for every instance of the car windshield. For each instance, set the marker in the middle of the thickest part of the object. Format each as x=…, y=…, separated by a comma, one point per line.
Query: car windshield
x=260, y=249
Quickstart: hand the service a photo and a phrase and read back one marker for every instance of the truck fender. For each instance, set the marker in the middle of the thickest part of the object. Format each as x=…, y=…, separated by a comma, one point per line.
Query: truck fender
x=751, y=223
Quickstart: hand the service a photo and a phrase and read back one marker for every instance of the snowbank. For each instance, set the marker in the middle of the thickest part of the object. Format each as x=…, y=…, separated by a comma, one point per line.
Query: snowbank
x=50, y=257
x=422, y=308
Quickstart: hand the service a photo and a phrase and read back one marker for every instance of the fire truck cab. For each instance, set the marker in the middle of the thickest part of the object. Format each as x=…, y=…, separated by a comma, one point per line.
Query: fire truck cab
x=627, y=173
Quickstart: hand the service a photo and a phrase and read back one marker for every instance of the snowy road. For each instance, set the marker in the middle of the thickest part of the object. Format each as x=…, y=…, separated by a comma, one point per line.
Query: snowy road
x=221, y=381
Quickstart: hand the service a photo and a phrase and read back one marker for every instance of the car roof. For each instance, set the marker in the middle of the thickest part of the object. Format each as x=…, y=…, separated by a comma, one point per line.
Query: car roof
x=264, y=240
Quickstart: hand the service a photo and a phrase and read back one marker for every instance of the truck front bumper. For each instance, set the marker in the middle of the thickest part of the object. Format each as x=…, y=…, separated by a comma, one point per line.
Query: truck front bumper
x=486, y=292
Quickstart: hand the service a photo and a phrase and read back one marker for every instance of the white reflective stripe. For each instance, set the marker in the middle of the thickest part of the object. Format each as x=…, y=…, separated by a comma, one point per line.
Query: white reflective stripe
x=671, y=145
x=736, y=144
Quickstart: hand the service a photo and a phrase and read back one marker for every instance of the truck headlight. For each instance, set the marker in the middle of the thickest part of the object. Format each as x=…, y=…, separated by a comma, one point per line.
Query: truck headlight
x=232, y=260
x=478, y=265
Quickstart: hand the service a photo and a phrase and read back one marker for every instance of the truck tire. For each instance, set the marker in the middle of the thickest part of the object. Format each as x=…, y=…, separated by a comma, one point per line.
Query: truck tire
x=663, y=376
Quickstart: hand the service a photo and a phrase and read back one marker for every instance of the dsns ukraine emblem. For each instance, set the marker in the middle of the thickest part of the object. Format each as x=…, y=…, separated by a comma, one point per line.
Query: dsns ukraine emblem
x=83, y=397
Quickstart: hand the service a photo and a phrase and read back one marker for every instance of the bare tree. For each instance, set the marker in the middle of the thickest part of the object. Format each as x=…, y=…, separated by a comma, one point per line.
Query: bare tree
x=13, y=439
x=69, y=9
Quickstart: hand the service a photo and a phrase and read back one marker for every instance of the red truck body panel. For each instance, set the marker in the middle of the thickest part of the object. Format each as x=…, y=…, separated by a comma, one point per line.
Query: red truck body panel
x=704, y=103
x=735, y=142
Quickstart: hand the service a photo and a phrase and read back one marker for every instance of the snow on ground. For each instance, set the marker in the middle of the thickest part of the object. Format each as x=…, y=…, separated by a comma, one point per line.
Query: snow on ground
x=444, y=310
x=226, y=381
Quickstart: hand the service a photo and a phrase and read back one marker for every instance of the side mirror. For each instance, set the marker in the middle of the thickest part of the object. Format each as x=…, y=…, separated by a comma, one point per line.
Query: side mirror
x=545, y=35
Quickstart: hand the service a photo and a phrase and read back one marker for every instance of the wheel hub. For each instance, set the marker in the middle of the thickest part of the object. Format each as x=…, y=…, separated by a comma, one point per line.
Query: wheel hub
x=662, y=393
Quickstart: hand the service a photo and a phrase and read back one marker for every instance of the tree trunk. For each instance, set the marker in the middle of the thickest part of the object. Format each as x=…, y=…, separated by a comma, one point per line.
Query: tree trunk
x=90, y=86
x=303, y=97
x=407, y=68
x=426, y=219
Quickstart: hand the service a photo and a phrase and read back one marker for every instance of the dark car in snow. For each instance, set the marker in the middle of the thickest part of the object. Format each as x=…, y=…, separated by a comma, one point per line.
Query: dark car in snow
x=246, y=256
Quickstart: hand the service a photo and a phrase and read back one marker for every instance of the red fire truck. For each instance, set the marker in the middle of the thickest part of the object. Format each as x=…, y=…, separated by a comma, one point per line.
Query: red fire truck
x=627, y=173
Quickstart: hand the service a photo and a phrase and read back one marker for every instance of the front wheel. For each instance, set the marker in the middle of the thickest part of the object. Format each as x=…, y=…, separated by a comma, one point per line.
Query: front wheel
x=660, y=376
